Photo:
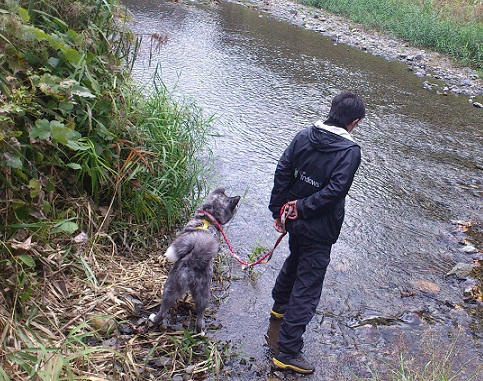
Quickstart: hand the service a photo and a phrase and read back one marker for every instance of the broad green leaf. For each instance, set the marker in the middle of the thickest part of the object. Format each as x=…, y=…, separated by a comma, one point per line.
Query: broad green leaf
x=77, y=145
x=20, y=173
x=68, y=83
x=74, y=166
x=77, y=38
x=82, y=91
x=35, y=186
x=66, y=106
x=74, y=135
x=59, y=132
x=68, y=227
x=74, y=57
x=94, y=84
x=26, y=295
x=41, y=133
x=12, y=160
x=41, y=130
x=39, y=157
x=24, y=14
x=27, y=260
x=50, y=186
x=54, y=61
x=39, y=34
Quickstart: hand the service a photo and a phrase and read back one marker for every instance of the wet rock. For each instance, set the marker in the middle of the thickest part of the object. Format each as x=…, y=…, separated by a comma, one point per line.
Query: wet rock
x=162, y=362
x=110, y=343
x=420, y=73
x=461, y=270
x=273, y=378
x=132, y=303
x=140, y=321
x=81, y=238
x=469, y=249
x=426, y=286
x=278, y=375
x=472, y=294
x=406, y=293
x=105, y=325
x=125, y=329
x=190, y=369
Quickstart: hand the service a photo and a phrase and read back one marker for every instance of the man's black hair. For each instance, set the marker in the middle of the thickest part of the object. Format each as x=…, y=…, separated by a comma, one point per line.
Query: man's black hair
x=346, y=107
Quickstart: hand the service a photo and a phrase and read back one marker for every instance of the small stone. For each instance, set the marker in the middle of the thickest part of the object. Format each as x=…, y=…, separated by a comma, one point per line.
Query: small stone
x=477, y=104
x=461, y=270
x=426, y=286
x=469, y=249
x=125, y=329
x=190, y=369
x=165, y=361
x=81, y=238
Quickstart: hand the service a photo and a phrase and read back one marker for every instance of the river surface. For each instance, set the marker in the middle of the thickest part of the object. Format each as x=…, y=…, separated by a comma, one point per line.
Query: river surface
x=386, y=295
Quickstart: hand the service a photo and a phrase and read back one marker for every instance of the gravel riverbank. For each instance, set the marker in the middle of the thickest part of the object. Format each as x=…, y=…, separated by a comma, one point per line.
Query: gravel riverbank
x=443, y=74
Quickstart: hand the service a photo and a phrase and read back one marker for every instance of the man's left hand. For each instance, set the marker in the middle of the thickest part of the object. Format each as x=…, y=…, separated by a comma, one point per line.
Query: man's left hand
x=291, y=207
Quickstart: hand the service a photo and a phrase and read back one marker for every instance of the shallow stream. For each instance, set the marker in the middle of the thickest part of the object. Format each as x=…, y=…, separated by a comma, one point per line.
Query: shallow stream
x=386, y=293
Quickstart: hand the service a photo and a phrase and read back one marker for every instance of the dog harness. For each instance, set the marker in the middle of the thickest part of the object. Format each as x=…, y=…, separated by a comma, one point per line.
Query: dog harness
x=206, y=224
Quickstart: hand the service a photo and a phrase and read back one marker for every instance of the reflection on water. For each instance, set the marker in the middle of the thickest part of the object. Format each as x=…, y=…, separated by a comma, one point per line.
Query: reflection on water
x=422, y=168
x=273, y=330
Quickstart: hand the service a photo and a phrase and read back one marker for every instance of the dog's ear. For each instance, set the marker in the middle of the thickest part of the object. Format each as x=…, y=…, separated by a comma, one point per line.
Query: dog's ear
x=234, y=201
x=219, y=191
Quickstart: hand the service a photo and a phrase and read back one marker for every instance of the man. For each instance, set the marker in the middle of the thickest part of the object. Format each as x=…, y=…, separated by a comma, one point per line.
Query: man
x=311, y=182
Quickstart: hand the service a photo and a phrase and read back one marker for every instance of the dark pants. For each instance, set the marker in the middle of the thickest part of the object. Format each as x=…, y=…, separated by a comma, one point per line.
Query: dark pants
x=299, y=285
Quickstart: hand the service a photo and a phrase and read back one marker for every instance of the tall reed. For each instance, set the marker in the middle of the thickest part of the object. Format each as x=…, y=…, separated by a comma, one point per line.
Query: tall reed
x=453, y=28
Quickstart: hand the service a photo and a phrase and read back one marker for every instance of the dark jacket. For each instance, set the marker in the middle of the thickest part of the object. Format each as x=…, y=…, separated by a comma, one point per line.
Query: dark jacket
x=317, y=170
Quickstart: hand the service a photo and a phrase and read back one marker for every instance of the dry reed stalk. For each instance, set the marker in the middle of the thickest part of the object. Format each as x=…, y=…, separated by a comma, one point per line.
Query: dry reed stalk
x=90, y=309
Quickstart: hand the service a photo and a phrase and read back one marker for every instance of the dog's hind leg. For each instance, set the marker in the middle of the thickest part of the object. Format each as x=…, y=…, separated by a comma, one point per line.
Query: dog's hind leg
x=172, y=291
x=201, y=296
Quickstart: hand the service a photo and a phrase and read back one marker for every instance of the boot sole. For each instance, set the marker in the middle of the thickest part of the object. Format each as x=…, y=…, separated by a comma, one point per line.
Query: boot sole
x=297, y=369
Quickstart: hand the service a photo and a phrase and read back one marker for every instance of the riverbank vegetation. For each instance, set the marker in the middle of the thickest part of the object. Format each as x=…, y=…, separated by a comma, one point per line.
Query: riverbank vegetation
x=451, y=27
x=95, y=173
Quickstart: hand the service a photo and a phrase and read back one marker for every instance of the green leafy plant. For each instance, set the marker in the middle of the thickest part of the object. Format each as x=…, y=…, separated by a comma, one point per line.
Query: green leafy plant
x=88, y=164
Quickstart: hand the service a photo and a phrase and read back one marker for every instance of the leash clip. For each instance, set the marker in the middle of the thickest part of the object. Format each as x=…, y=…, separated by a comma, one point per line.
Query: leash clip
x=287, y=211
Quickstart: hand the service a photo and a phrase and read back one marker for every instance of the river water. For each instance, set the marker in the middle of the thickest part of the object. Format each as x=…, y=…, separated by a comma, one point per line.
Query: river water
x=386, y=294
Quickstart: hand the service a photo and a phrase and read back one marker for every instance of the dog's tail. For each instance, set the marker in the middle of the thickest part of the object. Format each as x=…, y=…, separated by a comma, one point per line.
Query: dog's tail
x=171, y=254
x=195, y=243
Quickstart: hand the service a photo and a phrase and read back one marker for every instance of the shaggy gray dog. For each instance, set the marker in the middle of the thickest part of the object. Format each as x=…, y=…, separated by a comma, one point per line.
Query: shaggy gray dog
x=193, y=253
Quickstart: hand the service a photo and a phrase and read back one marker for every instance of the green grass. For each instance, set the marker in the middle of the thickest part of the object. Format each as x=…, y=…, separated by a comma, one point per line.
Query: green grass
x=170, y=164
x=440, y=26
x=84, y=149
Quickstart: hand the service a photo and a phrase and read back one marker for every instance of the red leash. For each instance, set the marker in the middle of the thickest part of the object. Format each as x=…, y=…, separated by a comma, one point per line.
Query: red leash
x=244, y=264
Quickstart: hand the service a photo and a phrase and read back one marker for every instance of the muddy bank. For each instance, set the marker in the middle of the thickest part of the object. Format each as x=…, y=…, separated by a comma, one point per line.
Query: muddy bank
x=443, y=74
